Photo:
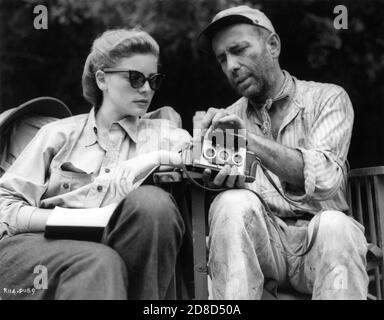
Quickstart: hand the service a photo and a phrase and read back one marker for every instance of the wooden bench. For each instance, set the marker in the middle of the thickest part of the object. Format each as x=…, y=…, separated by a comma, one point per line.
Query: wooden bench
x=366, y=200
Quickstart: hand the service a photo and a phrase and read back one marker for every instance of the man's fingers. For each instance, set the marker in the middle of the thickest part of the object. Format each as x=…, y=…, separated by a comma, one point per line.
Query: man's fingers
x=230, y=183
x=222, y=175
x=206, y=176
x=207, y=120
x=229, y=121
x=228, y=177
x=218, y=116
x=240, y=182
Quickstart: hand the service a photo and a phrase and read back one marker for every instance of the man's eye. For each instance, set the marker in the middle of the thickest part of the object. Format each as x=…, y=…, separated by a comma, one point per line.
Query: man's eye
x=221, y=59
x=239, y=50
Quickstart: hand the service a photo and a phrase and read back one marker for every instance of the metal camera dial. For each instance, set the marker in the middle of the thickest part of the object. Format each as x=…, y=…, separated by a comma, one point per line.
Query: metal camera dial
x=237, y=159
x=223, y=155
x=210, y=153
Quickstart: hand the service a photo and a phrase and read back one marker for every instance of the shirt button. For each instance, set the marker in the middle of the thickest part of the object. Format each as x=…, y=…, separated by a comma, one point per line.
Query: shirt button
x=65, y=185
x=99, y=188
x=107, y=170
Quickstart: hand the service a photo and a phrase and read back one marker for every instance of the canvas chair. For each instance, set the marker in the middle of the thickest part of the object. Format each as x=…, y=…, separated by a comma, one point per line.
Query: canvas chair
x=20, y=124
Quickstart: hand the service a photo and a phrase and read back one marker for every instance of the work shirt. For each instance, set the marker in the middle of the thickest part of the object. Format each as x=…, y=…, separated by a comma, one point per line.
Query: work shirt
x=66, y=163
x=319, y=125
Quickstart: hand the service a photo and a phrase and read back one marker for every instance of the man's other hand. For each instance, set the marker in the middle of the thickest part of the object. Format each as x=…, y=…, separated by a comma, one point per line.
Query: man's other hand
x=227, y=177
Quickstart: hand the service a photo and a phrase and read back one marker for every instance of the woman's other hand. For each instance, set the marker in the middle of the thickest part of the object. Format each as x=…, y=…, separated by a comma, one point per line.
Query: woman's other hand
x=170, y=158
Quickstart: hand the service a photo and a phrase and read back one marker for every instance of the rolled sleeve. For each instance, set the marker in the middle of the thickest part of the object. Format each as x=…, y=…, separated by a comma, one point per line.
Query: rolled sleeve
x=15, y=212
x=24, y=183
x=322, y=175
x=326, y=149
x=309, y=159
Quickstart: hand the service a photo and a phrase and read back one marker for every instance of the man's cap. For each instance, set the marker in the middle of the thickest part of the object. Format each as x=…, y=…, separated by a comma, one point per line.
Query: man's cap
x=235, y=15
x=44, y=106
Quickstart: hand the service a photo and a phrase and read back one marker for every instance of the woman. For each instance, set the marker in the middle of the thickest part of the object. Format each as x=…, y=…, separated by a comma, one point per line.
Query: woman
x=91, y=161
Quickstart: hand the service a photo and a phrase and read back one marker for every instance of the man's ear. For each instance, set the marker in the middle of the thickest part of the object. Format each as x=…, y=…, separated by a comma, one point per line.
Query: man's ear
x=101, y=80
x=274, y=45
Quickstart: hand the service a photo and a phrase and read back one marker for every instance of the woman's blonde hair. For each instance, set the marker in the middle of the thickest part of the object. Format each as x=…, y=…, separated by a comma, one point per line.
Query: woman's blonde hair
x=106, y=52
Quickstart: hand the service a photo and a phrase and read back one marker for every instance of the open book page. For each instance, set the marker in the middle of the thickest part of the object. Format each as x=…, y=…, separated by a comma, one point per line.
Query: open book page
x=93, y=217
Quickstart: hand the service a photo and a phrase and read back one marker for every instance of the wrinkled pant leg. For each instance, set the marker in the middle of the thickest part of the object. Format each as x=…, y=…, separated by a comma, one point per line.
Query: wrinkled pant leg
x=78, y=270
x=146, y=229
x=244, y=248
x=335, y=268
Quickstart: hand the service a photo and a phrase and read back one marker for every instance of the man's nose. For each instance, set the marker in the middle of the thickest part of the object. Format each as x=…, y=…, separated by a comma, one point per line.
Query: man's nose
x=232, y=63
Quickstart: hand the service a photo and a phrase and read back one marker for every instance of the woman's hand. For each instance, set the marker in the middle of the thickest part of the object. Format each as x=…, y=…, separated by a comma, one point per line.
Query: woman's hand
x=127, y=173
x=170, y=158
x=122, y=177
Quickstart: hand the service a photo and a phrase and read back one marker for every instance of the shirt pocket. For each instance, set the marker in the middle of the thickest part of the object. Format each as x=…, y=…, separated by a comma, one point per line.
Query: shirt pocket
x=62, y=181
x=295, y=134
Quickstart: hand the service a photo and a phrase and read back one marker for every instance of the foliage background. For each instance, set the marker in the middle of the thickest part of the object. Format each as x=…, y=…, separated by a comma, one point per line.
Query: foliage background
x=49, y=62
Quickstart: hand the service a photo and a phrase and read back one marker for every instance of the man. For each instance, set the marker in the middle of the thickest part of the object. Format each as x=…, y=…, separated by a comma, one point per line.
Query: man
x=301, y=132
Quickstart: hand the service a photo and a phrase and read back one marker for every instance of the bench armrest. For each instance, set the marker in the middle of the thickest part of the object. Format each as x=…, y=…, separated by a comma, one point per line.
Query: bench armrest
x=364, y=172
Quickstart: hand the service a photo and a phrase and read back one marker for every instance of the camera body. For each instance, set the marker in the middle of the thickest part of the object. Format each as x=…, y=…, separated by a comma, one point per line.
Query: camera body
x=214, y=149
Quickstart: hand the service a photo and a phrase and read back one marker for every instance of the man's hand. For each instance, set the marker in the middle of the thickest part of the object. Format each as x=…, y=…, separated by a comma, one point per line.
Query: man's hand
x=228, y=177
x=221, y=118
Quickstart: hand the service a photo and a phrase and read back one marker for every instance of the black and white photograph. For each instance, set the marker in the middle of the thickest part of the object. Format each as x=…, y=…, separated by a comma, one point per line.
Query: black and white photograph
x=195, y=152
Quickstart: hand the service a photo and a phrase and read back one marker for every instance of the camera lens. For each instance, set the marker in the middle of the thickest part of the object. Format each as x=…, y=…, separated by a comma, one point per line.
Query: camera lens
x=209, y=153
x=223, y=155
x=237, y=159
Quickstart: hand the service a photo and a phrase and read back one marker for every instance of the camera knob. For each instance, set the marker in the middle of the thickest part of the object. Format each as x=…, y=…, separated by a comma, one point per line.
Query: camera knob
x=237, y=159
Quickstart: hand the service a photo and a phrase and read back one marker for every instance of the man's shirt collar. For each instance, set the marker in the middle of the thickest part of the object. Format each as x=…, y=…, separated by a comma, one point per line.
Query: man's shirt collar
x=286, y=91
